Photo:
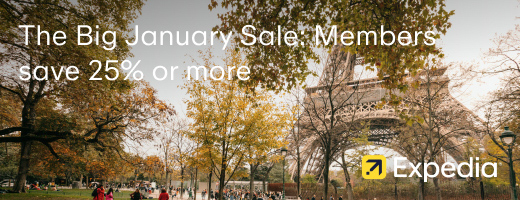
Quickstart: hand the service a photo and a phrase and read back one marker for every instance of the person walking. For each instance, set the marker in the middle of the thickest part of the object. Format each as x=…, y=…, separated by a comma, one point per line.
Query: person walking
x=136, y=195
x=110, y=194
x=100, y=195
x=164, y=195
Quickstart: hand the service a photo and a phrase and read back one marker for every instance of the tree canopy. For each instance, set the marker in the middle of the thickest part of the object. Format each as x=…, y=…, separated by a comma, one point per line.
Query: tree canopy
x=282, y=66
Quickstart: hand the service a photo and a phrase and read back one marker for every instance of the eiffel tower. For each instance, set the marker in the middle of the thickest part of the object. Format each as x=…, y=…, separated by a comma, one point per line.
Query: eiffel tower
x=365, y=106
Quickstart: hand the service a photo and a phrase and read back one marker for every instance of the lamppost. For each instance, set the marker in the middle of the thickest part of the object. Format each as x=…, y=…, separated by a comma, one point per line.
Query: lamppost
x=284, y=152
x=508, y=138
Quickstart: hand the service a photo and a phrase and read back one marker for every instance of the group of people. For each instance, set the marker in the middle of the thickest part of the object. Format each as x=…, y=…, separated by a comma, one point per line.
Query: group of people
x=228, y=194
x=99, y=194
x=164, y=195
x=241, y=194
x=50, y=186
x=331, y=198
x=177, y=191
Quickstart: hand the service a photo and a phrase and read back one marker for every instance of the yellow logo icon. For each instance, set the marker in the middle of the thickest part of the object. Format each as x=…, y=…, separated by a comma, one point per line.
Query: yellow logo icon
x=373, y=167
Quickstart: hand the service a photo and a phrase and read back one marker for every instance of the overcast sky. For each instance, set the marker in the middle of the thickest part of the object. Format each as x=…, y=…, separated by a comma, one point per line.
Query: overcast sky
x=475, y=23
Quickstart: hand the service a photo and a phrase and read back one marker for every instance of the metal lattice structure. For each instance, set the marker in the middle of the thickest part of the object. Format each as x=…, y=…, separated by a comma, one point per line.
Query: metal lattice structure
x=366, y=106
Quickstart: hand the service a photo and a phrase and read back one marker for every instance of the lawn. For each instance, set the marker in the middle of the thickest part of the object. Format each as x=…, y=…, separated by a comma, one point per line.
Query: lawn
x=66, y=194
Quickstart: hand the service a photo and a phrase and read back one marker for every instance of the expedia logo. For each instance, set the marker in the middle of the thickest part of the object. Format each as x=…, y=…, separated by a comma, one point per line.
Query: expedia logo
x=373, y=167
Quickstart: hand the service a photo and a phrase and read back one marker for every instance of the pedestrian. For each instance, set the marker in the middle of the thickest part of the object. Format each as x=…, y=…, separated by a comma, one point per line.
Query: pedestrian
x=110, y=194
x=313, y=197
x=340, y=197
x=100, y=195
x=136, y=195
x=164, y=195
x=331, y=198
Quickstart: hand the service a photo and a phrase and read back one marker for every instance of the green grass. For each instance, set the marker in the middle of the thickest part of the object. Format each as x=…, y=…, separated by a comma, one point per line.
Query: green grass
x=40, y=197
x=66, y=194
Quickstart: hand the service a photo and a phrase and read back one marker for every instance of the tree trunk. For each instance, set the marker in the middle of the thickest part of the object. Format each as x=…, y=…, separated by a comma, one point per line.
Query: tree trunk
x=196, y=184
x=28, y=120
x=80, y=180
x=437, y=188
x=209, y=184
x=251, y=180
x=395, y=190
x=167, y=180
x=298, y=170
x=263, y=185
x=182, y=181
x=222, y=180
x=326, y=173
x=420, y=193
x=348, y=189
x=167, y=177
x=190, y=182
x=349, y=193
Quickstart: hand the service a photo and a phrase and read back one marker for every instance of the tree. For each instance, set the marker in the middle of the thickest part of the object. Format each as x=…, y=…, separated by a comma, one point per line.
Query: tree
x=502, y=108
x=351, y=161
x=56, y=15
x=263, y=173
x=284, y=66
x=328, y=119
x=308, y=178
x=501, y=112
x=229, y=123
x=152, y=164
x=8, y=110
x=295, y=138
x=504, y=58
x=439, y=121
x=262, y=155
x=182, y=149
x=167, y=129
x=277, y=173
x=335, y=183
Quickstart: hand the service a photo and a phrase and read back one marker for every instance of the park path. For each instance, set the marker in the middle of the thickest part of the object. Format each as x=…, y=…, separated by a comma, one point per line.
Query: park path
x=155, y=195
